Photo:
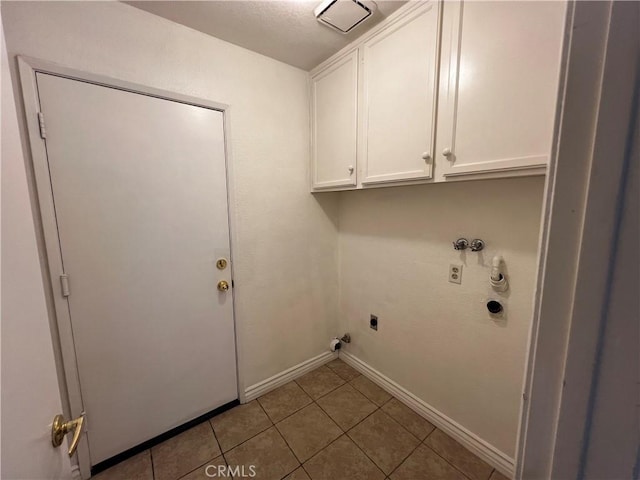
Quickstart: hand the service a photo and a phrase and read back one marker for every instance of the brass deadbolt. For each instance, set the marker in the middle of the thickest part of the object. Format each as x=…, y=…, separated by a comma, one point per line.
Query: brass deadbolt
x=221, y=263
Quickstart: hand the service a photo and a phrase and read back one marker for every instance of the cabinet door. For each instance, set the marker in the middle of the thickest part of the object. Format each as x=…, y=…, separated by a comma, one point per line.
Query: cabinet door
x=498, y=86
x=334, y=133
x=399, y=98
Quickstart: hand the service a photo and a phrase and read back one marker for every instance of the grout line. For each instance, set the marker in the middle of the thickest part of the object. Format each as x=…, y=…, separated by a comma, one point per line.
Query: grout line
x=360, y=448
x=365, y=454
x=331, y=418
x=153, y=470
x=402, y=426
x=292, y=413
x=283, y=437
x=305, y=470
x=325, y=447
x=200, y=466
x=449, y=462
x=405, y=459
x=291, y=450
x=369, y=398
x=343, y=363
x=344, y=433
x=215, y=437
x=245, y=441
x=377, y=409
x=264, y=411
x=208, y=461
x=406, y=430
x=288, y=446
x=430, y=433
x=344, y=382
x=392, y=398
x=332, y=390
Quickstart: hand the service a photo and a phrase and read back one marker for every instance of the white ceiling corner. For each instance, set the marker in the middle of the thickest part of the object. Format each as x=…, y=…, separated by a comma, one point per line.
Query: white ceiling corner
x=284, y=30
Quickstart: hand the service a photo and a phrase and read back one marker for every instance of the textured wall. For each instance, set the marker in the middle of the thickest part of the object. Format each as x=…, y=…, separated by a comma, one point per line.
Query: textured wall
x=285, y=239
x=434, y=337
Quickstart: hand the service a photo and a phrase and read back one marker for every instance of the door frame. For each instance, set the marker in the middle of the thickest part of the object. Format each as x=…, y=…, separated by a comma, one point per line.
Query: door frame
x=580, y=227
x=48, y=241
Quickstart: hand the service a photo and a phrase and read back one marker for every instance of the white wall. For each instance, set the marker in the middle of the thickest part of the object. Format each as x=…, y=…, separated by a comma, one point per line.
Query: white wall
x=284, y=239
x=435, y=338
x=30, y=394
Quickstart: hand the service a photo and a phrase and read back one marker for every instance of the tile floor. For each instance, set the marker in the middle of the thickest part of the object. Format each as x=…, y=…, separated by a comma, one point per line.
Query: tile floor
x=331, y=423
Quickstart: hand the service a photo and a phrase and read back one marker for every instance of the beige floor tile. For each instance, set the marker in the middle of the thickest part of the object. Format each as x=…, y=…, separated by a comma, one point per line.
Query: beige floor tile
x=137, y=467
x=319, y=382
x=346, y=406
x=384, y=440
x=182, y=454
x=239, y=424
x=298, y=474
x=267, y=453
x=460, y=457
x=408, y=418
x=343, y=370
x=425, y=464
x=370, y=390
x=342, y=460
x=308, y=431
x=284, y=401
x=496, y=475
x=210, y=468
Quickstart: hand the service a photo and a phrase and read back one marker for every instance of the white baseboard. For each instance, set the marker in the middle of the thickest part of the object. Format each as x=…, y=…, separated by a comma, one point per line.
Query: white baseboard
x=487, y=452
x=279, y=379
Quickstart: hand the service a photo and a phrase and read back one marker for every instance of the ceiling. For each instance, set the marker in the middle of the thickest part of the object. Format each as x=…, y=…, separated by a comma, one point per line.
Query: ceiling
x=285, y=30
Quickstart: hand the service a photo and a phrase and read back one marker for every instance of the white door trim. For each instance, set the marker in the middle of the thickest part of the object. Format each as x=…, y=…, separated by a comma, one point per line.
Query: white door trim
x=577, y=238
x=28, y=68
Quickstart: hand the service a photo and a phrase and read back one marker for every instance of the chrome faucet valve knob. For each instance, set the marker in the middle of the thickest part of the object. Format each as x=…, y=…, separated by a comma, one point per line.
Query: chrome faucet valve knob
x=476, y=245
x=460, y=244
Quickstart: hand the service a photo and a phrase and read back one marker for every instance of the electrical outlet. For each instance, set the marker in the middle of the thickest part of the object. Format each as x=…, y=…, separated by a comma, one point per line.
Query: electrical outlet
x=455, y=273
x=373, y=322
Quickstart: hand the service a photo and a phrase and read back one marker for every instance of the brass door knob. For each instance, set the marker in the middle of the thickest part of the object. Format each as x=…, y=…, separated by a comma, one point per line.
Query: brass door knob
x=60, y=428
x=223, y=285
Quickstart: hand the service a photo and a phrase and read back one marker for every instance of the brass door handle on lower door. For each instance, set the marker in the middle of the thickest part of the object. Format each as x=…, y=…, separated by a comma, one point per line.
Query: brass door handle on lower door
x=223, y=285
x=60, y=428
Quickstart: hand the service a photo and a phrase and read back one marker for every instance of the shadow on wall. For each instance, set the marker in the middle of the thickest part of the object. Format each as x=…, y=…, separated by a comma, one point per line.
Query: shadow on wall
x=329, y=203
x=500, y=212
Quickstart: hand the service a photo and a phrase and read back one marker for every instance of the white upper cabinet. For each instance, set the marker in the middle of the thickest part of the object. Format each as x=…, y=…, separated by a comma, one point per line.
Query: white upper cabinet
x=438, y=92
x=334, y=104
x=399, y=68
x=498, y=87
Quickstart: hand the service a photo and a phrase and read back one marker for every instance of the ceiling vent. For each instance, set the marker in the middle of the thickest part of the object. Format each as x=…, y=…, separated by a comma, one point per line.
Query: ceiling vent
x=343, y=15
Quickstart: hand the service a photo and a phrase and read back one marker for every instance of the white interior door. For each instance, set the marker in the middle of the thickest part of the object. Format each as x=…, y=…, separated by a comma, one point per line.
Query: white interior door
x=139, y=187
